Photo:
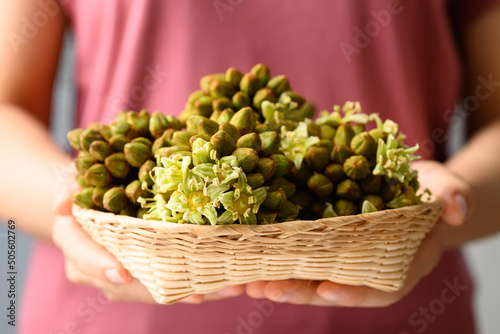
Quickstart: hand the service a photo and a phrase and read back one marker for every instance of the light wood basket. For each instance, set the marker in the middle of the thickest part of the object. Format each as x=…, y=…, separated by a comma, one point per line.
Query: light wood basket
x=175, y=261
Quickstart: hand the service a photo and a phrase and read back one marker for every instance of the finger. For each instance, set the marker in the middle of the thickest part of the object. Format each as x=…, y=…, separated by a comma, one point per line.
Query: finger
x=132, y=292
x=256, y=289
x=448, y=186
x=88, y=256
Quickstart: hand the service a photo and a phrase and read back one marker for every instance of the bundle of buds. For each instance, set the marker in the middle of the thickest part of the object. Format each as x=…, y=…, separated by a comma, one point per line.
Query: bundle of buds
x=245, y=151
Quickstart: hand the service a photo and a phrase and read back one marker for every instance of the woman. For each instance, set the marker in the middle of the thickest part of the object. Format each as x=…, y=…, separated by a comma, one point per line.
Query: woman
x=398, y=58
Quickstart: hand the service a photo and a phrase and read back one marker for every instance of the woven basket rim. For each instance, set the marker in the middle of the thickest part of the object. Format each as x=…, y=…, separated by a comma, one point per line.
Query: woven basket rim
x=430, y=203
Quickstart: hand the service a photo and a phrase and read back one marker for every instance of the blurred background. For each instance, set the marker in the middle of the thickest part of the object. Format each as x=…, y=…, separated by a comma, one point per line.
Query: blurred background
x=481, y=255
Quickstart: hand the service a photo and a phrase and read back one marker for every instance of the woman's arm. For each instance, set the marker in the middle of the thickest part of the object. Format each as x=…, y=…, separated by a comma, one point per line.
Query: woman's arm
x=28, y=62
x=478, y=163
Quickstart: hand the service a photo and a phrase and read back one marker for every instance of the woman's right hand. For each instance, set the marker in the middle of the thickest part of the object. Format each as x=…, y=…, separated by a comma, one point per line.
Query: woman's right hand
x=89, y=263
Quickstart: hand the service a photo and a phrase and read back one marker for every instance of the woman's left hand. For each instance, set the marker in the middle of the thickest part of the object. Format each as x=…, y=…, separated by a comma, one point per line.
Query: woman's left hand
x=444, y=184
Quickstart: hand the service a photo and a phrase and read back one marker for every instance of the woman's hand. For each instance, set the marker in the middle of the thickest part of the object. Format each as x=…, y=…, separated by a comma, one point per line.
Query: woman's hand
x=88, y=263
x=444, y=184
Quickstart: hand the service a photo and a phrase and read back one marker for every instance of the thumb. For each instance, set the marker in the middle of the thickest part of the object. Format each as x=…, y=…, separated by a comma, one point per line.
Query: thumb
x=449, y=187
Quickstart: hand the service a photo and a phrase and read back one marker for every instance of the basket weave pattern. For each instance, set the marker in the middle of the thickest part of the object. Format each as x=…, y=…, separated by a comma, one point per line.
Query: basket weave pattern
x=175, y=261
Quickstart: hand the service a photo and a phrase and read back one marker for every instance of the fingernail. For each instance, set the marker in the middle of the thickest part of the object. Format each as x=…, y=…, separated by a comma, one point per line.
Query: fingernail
x=462, y=204
x=280, y=296
x=333, y=296
x=114, y=276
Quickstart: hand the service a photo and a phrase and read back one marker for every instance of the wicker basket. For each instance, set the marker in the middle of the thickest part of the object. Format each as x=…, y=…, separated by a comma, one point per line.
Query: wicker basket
x=175, y=261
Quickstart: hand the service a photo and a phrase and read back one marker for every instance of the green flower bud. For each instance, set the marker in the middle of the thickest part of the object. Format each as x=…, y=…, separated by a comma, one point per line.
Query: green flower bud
x=204, y=106
x=83, y=163
x=221, y=104
x=356, y=167
x=84, y=198
x=118, y=142
x=134, y=190
x=318, y=206
x=327, y=145
x=145, y=173
x=82, y=182
x=195, y=96
x=363, y=144
x=114, y=200
x=121, y=128
x=98, y=195
x=233, y=76
x=344, y=135
x=240, y=100
x=129, y=211
x=327, y=132
x=215, y=116
x=225, y=116
x=87, y=137
x=376, y=134
x=206, y=80
x=121, y=116
x=142, y=211
x=264, y=127
x=301, y=198
x=266, y=167
x=348, y=189
x=283, y=164
x=288, y=212
x=207, y=127
x=247, y=158
x=371, y=184
x=274, y=200
x=181, y=138
x=270, y=143
x=137, y=154
x=139, y=122
x=281, y=183
x=345, y=208
x=166, y=152
x=255, y=180
x=313, y=129
x=99, y=150
x=74, y=138
x=265, y=217
x=163, y=141
x=375, y=200
x=299, y=176
x=408, y=197
x=317, y=158
x=223, y=143
x=157, y=124
x=117, y=165
x=250, y=140
x=221, y=88
x=340, y=154
x=244, y=120
x=230, y=130
x=262, y=72
x=143, y=140
x=173, y=122
x=192, y=123
x=320, y=185
x=263, y=94
x=335, y=172
x=279, y=84
x=250, y=84
x=358, y=128
x=390, y=189
x=98, y=175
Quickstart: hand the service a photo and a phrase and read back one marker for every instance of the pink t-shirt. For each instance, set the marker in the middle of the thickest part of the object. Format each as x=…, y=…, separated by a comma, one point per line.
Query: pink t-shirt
x=398, y=58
